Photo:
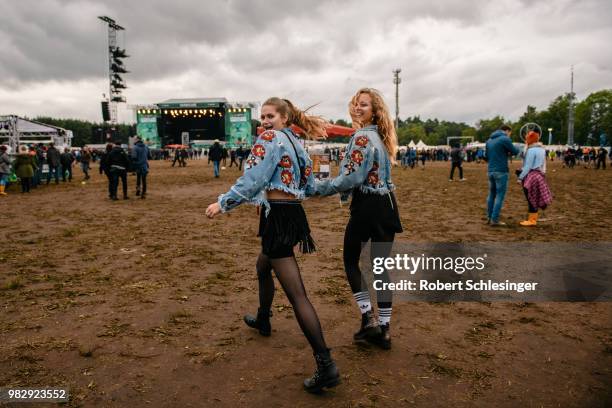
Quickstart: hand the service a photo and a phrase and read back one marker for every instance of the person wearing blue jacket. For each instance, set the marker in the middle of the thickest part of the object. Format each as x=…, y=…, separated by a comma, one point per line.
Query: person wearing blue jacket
x=140, y=160
x=365, y=173
x=498, y=147
x=277, y=176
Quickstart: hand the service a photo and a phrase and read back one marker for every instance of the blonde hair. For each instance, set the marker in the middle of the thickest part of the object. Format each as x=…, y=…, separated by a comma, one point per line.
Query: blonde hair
x=313, y=126
x=380, y=117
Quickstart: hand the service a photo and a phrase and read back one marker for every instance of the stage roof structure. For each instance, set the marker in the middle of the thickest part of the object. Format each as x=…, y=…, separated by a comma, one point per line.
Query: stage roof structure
x=193, y=103
x=15, y=131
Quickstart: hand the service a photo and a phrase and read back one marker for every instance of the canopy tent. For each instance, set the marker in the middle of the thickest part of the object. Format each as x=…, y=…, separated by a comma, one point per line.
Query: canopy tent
x=421, y=145
x=411, y=145
x=15, y=131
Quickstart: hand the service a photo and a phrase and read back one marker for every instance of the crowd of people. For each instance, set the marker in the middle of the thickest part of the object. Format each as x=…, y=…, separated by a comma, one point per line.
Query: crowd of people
x=41, y=164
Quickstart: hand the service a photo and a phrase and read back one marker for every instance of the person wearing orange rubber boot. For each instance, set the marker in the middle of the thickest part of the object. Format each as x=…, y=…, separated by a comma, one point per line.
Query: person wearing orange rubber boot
x=532, y=178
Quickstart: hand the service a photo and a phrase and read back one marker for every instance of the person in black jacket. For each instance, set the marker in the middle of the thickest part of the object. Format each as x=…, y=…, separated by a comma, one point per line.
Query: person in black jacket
x=105, y=168
x=456, y=162
x=66, y=159
x=216, y=154
x=53, y=160
x=118, y=163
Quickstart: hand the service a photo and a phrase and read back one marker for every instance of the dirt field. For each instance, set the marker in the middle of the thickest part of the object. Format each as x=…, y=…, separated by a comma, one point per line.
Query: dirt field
x=140, y=302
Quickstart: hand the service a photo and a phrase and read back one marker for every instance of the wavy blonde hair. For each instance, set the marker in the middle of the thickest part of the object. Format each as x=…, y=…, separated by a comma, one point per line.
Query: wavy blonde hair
x=313, y=126
x=380, y=117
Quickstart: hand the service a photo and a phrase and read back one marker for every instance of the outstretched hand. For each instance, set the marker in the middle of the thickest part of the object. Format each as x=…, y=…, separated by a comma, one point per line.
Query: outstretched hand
x=213, y=210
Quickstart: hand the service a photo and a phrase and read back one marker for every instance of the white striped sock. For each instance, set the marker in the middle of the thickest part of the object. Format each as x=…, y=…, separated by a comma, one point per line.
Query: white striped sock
x=384, y=315
x=363, y=301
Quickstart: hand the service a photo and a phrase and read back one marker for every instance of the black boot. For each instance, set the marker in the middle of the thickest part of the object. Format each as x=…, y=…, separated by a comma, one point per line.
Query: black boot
x=369, y=327
x=326, y=375
x=261, y=322
x=384, y=339
x=137, y=192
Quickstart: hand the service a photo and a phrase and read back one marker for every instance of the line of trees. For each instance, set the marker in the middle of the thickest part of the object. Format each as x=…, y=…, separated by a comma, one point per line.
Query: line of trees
x=85, y=132
x=593, y=116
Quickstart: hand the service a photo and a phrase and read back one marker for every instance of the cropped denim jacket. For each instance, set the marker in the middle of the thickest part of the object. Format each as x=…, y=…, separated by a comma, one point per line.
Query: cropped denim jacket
x=366, y=166
x=272, y=165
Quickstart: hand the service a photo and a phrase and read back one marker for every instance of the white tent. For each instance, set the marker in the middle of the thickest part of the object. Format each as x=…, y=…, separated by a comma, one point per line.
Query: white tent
x=411, y=144
x=421, y=145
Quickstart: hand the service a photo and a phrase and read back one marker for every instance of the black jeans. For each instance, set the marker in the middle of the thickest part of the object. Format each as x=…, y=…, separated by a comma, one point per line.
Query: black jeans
x=141, y=179
x=115, y=174
x=25, y=184
x=459, y=166
x=532, y=209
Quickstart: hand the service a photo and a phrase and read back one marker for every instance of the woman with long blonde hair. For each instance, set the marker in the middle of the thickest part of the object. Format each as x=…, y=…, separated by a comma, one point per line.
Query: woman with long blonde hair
x=277, y=176
x=365, y=172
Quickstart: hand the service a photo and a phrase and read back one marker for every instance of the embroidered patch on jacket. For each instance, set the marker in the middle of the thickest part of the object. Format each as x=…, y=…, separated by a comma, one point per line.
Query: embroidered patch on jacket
x=285, y=162
x=268, y=135
x=350, y=168
x=258, y=150
x=286, y=177
x=357, y=156
x=251, y=162
x=361, y=141
x=373, y=177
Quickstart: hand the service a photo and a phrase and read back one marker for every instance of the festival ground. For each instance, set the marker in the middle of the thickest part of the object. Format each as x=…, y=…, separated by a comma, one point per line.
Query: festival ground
x=140, y=302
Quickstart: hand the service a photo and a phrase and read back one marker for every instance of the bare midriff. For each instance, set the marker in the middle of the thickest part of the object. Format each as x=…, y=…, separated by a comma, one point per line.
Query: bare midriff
x=279, y=195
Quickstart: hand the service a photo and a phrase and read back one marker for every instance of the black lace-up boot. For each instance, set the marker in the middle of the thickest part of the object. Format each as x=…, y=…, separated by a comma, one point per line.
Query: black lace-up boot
x=369, y=327
x=261, y=322
x=326, y=375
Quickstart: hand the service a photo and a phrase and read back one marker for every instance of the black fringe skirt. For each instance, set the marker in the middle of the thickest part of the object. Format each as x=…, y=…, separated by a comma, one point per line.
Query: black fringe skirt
x=285, y=227
x=374, y=216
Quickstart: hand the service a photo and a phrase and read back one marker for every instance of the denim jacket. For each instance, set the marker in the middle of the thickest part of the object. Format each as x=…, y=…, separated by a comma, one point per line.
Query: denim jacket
x=535, y=159
x=366, y=166
x=272, y=165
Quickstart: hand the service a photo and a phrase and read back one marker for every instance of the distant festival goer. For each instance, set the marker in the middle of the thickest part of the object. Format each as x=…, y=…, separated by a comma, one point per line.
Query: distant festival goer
x=66, y=160
x=118, y=163
x=532, y=179
x=105, y=168
x=216, y=154
x=54, y=163
x=5, y=169
x=140, y=156
x=85, y=159
x=498, y=147
x=365, y=172
x=456, y=162
x=277, y=176
x=25, y=166
x=601, y=158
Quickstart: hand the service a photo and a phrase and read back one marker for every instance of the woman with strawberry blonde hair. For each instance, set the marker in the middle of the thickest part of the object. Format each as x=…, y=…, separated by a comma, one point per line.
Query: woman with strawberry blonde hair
x=277, y=176
x=365, y=173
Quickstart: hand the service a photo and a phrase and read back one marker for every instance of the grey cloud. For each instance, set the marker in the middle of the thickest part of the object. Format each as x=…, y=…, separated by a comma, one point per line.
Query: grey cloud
x=456, y=56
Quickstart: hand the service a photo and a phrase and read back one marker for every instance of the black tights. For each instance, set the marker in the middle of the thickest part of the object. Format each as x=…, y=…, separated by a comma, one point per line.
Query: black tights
x=352, y=252
x=288, y=274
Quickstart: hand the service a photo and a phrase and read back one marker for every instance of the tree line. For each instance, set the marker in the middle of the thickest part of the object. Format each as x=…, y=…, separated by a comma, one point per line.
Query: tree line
x=593, y=116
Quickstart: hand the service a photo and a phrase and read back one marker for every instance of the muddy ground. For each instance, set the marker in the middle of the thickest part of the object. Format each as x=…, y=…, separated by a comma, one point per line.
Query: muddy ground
x=140, y=302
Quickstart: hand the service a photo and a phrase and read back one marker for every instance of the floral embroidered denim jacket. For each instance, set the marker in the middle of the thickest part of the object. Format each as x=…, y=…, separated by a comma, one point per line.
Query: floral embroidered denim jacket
x=366, y=166
x=272, y=165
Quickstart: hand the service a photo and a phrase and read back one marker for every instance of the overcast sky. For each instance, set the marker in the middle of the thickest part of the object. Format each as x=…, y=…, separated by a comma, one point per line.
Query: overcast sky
x=460, y=60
